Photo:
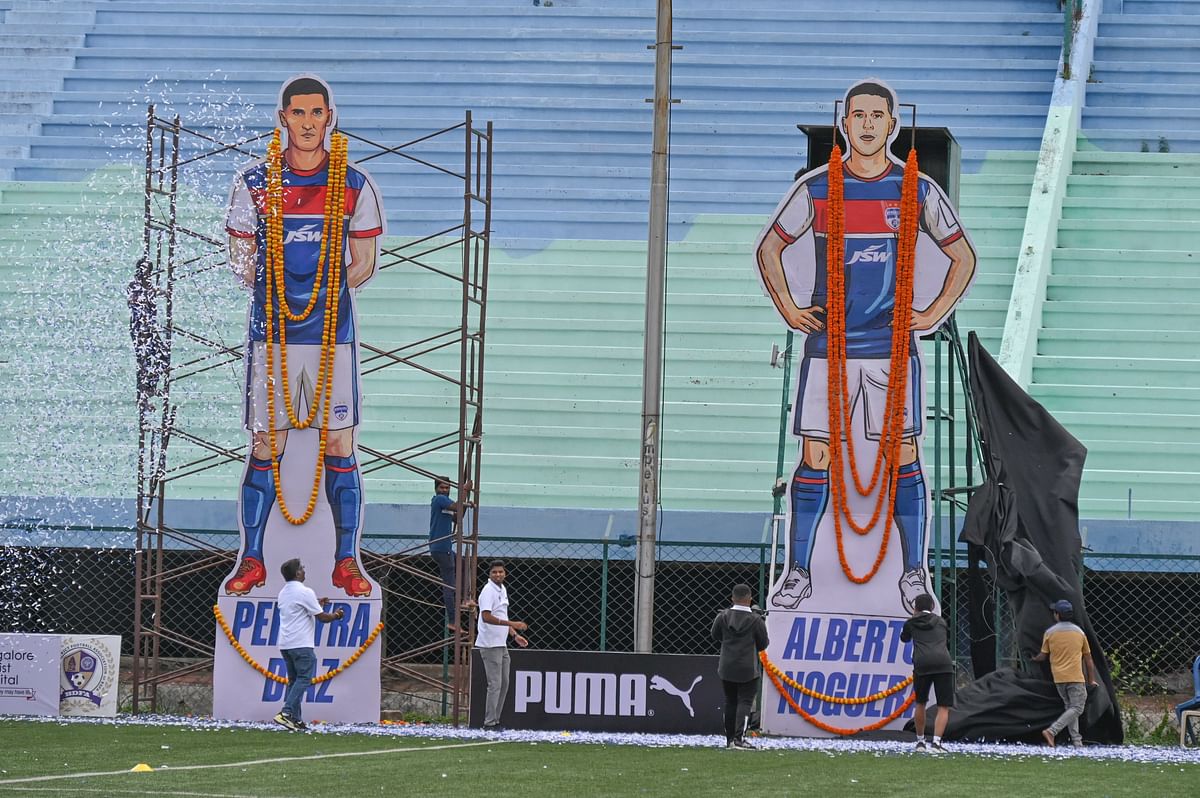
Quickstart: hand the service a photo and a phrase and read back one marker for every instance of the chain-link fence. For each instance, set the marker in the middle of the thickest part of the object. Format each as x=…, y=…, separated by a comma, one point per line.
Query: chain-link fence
x=1146, y=611
x=578, y=595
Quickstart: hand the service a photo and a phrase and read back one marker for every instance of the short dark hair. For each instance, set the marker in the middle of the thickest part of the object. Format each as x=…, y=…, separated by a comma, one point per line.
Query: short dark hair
x=290, y=569
x=872, y=90
x=741, y=592
x=442, y=481
x=923, y=602
x=497, y=564
x=1065, y=615
x=304, y=86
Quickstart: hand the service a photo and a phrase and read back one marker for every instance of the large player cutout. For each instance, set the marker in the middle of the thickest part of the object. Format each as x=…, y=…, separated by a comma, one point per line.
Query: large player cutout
x=859, y=484
x=304, y=228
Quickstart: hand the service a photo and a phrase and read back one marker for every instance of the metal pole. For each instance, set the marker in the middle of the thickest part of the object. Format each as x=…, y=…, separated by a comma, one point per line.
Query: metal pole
x=656, y=256
x=936, y=503
x=785, y=407
x=604, y=596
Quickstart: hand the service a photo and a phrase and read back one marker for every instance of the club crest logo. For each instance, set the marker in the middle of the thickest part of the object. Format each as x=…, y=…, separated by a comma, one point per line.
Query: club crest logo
x=340, y=412
x=891, y=215
x=88, y=673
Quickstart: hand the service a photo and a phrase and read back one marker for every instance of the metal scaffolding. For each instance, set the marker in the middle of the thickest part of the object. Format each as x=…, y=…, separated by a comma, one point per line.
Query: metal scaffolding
x=162, y=368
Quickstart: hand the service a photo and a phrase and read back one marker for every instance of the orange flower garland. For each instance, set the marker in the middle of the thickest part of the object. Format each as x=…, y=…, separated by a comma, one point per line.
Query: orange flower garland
x=838, y=393
x=275, y=677
x=329, y=271
x=830, y=699
x=777, y=678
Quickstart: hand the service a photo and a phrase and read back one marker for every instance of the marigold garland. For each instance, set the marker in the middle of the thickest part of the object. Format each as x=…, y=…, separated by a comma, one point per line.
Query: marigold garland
x=329, y=272
x=840, y=432
x=324, y=677
x=777, y=678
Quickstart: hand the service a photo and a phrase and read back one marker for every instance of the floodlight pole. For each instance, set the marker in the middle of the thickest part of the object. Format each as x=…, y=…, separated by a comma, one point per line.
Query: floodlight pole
x=656, y=256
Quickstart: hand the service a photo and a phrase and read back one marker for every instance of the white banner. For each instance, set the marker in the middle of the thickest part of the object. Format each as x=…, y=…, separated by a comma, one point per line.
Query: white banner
x=89, y=675
x=29, y=666
x=242, y=693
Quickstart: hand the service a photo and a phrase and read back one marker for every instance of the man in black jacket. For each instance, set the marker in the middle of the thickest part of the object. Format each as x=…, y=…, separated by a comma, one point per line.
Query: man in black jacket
x=932, y=666
x=742, y=633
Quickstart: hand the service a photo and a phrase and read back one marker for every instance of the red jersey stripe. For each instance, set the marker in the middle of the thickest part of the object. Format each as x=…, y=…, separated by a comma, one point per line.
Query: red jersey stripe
x=950, y=239
x=303, y=200
x=863, y=217
x=779, y=231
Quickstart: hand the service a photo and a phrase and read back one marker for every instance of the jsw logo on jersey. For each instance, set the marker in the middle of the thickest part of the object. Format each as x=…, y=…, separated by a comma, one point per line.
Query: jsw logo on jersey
x=876, y=253
x=308, y=234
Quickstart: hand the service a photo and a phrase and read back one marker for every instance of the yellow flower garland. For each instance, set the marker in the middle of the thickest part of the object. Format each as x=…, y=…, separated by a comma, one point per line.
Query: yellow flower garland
x=329, y=270
x=324, y=677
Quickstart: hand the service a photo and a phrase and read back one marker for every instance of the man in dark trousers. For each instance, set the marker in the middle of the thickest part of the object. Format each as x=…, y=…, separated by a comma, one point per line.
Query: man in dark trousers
x=932, y=667
x=742, y=633
x=443, y=511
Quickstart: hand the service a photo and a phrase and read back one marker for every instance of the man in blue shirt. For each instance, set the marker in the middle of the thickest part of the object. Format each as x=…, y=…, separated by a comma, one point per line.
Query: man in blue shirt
x=443, y=514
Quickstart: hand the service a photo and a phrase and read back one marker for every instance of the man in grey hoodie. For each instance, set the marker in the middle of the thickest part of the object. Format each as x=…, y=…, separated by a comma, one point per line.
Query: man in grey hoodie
x=742, y=633
x=932, y=666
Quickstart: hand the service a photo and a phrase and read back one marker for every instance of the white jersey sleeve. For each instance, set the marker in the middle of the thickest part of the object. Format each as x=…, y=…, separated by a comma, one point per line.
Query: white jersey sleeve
x=938, y=218
x=795, y=214
x=241, y=220
x=367, y=220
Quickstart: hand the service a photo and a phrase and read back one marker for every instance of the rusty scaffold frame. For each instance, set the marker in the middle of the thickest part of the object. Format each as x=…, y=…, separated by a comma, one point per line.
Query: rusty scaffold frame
x=162, y=270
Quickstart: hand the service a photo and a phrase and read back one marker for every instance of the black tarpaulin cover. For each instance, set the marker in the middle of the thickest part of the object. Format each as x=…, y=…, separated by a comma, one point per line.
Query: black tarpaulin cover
x=1026, y=520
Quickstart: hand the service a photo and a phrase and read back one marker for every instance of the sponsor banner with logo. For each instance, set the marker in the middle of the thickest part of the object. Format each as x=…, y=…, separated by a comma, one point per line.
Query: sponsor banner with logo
x=599, y=691
x=29, y=667
x=88, y=676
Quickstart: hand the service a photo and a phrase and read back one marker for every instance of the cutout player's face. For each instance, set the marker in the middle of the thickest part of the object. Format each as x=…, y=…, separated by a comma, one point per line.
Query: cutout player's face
x=306, y=118
x=868, y=124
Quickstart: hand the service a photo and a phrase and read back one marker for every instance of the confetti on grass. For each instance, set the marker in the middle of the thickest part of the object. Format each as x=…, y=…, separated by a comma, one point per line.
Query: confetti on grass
x=1131, y=753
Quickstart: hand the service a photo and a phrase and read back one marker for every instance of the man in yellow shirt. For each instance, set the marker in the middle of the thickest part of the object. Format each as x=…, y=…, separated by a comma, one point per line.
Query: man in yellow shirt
x=1066, y=646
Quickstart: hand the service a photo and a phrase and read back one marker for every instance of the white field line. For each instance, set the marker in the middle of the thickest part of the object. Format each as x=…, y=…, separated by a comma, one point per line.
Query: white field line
x=110, y=791
x=248, y=763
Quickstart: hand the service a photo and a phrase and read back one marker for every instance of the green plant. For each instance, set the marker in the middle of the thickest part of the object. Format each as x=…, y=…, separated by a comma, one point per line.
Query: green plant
x=1137, y=732
x=1134, y=677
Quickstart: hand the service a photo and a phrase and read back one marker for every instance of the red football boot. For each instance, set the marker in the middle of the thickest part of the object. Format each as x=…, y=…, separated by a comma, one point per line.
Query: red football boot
x=250, y=574
x=349, y=577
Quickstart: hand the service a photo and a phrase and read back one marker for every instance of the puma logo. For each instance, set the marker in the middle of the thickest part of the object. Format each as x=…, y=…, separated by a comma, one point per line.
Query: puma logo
x=660, y=683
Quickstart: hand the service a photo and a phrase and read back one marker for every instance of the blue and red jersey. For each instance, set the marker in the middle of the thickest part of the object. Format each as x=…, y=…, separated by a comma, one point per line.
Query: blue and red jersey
x=872, y=214
x=303, y=227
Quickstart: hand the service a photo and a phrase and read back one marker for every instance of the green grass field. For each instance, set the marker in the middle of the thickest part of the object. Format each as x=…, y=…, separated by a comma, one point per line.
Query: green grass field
x=247, y=762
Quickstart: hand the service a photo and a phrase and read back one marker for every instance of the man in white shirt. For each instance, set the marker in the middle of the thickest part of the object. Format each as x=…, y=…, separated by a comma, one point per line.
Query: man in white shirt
x=491, y=638
x=299, y=610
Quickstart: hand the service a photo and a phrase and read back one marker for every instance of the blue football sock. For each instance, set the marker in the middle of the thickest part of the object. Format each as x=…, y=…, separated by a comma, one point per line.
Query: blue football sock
x=810, y=496
x=258, y=496
x=343, y=489
x=909, y=511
